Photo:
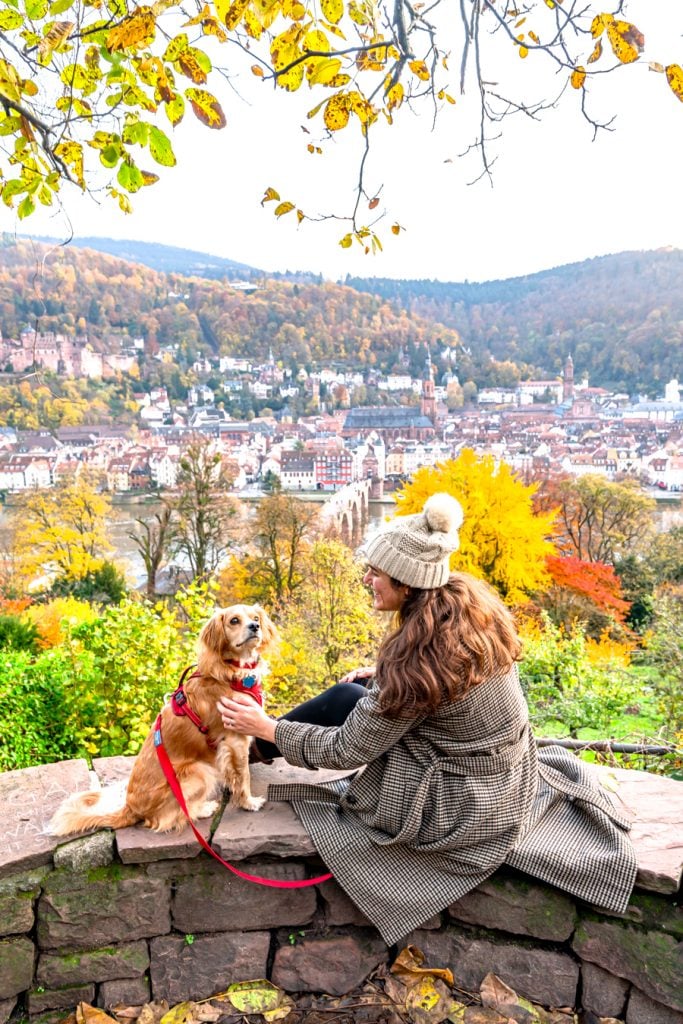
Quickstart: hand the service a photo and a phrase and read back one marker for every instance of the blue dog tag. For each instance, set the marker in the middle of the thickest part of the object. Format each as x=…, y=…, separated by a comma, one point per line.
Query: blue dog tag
x=248, y=682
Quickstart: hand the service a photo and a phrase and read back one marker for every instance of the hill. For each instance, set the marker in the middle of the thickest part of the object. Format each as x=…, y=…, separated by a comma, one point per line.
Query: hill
x=166, y=258
x=72, y=290
x=619, y=316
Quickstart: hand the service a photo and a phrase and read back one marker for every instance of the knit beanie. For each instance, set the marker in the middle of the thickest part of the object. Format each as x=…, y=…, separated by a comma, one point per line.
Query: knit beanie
x=416, y=549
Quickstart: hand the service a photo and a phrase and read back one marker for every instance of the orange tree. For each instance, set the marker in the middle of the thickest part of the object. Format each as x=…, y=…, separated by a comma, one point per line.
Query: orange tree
x=91, y=89
x=502, y=539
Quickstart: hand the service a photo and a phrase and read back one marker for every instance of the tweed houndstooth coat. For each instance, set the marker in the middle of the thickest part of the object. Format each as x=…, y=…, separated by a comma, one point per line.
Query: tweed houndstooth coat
x=441, y=801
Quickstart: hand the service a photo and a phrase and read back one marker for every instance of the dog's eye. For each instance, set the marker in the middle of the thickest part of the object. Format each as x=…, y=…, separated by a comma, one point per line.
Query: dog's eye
x=235, y=620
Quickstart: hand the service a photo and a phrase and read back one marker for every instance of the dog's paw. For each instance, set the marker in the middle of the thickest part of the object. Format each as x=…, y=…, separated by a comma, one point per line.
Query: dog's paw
x=253, y=803
x=206, y=810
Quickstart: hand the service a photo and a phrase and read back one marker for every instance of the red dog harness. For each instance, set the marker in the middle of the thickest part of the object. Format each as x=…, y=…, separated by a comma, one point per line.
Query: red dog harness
x=250, y=684
x=179, y=705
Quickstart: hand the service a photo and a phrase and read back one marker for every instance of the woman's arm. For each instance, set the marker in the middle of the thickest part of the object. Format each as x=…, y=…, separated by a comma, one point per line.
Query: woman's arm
x=365, y=735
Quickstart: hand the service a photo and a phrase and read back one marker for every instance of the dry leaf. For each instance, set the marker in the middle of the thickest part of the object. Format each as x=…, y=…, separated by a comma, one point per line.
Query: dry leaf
x=409, y=963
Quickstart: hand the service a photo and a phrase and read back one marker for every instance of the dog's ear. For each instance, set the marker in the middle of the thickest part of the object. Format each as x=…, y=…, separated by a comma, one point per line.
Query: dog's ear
x=269, y=632
x=212, y=634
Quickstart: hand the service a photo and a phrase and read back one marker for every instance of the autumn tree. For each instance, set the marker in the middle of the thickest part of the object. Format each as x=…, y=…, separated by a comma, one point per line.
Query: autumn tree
x=600, y=520
x=328, y=627
x=270, y=568
x=61, y=531
x=588, y=592
x=205, y=515
x=502, y=539
x=91, y=91
x=152, y=540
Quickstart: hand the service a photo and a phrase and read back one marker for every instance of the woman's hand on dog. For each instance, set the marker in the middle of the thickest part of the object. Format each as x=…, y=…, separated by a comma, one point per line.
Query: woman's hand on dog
x=242, y=714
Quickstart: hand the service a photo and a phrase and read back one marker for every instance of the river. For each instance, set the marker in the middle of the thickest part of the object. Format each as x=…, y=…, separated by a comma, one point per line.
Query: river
x=126, y=510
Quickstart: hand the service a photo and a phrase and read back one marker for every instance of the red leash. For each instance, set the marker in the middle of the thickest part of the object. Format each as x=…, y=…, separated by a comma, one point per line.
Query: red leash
x=172, y=779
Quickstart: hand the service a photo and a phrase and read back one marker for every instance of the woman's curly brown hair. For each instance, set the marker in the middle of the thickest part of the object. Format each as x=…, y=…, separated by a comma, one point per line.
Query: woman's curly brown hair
x=445, y=641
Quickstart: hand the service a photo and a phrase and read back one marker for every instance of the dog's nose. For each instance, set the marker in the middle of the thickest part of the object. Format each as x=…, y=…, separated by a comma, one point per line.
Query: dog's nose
x=254, y=626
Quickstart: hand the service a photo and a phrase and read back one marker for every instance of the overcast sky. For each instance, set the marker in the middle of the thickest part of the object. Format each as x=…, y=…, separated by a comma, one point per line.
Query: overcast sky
x=557, y=196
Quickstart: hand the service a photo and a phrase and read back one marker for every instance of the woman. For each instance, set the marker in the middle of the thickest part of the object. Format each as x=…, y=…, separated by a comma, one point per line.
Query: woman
x=451, y=785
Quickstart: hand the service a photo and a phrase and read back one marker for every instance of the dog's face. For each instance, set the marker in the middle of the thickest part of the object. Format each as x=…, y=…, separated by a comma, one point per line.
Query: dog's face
x=238, y=632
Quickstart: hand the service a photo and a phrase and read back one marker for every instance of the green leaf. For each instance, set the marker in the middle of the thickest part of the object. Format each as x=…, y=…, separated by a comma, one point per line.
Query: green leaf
x=36, y=9
x=160, y=147
x=26, y=207
x=129, y=176
x=110, y=155
x=59, y=6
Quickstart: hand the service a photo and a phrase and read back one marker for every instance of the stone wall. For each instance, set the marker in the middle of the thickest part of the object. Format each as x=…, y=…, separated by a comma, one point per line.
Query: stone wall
x=124, y=917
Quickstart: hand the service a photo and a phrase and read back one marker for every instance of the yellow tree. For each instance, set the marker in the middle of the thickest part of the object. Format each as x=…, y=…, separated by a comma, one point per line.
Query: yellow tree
x=61, y=531
x=502, y=539
x=90, y=91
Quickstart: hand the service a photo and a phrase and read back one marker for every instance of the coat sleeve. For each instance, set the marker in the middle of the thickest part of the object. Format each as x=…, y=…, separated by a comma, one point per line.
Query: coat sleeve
x=364, y=735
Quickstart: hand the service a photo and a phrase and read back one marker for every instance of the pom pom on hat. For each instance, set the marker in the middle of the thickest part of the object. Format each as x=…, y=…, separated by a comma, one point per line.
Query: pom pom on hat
x=416, y=549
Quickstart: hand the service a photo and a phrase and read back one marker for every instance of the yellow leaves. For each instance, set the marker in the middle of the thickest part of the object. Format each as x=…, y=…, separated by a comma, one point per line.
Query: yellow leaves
x=270, y=196
x=206, y=108
x=396, y=229
x=55, y=37
x=337, y=112
x=523, y=50
x=322, y=71
x=578, y=77
x=597, y=52
x=282, y=208
x=443, y=95
x=625, y=39
x=71, y=153
x=674, y=76
x=133, y=32
x=332, y=10
x=284, y=53
x=235, y=13
x=366, y=238
x=394, y=95
x=419, y=68
x=257, y=70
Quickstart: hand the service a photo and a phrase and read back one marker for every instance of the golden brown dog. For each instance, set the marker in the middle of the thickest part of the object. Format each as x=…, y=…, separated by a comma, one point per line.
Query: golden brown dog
x=229, y=659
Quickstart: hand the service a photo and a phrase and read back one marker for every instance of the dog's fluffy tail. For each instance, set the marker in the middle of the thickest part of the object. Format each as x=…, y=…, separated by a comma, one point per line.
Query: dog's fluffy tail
x=92, y=810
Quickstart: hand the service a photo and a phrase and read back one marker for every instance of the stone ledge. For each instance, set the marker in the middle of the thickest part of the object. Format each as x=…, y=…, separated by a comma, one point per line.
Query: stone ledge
x=29, y=797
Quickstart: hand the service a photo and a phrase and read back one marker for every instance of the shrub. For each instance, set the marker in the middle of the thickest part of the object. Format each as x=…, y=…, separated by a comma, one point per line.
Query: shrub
x=17, y=633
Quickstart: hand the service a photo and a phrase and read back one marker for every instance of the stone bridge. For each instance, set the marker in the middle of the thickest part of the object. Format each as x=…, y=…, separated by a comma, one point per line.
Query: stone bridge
x=346, y=511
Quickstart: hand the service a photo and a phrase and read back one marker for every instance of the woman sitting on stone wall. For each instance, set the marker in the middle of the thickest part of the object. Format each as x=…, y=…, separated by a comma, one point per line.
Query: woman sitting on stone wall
x=451, y=785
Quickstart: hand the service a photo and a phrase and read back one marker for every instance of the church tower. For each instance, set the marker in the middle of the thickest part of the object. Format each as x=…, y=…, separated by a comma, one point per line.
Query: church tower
x=428, y=402
x=568, y=380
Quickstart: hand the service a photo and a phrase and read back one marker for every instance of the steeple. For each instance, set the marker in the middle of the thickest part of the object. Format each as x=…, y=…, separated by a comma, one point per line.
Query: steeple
x=428, y=402
x=568, y=380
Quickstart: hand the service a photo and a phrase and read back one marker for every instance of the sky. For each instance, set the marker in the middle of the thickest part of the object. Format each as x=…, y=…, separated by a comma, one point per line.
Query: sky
x=557, y=196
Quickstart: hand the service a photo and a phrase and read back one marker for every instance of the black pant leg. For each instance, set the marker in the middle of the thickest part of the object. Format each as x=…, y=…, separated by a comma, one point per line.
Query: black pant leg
x=332, y=707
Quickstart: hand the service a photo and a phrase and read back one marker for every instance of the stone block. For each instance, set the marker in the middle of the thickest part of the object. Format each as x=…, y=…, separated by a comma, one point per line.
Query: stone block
x=66, y=998
x=514, y=903
x=215, y=900
x=202, y=968
x=601, y=992
x=28, y=799
x=79, y=911
x=16, y=965
x=128, y=960
x=335, y=964
x=340, y=908
x=92, y=851
x=124, y=992
x=275, y=831
x=643, y=1010
x=654, y=912
x=17, y=896
x=649, y=959
x=654, y=804
x=6, y=1009
x=542, y=975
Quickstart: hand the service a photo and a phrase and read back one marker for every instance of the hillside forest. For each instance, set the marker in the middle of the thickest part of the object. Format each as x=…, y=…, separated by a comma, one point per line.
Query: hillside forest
x=620, y=317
